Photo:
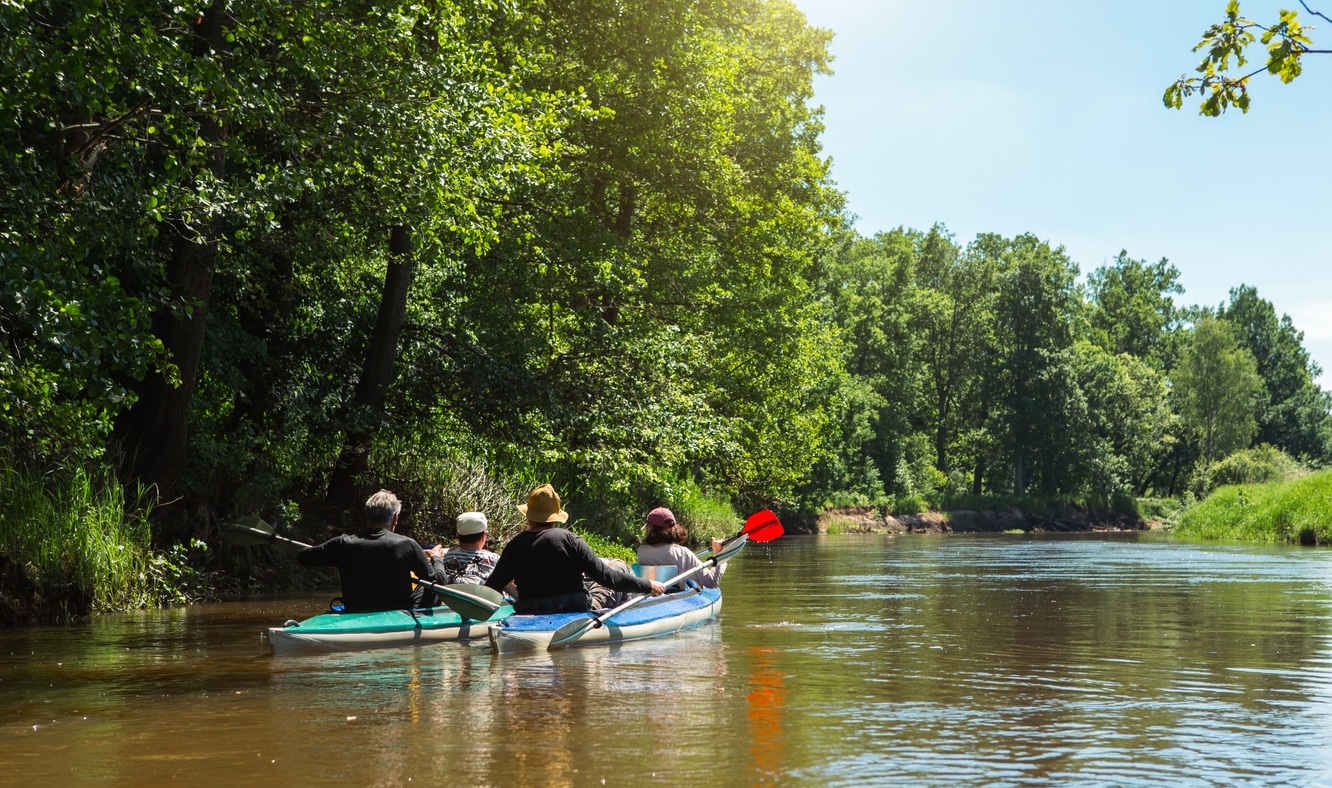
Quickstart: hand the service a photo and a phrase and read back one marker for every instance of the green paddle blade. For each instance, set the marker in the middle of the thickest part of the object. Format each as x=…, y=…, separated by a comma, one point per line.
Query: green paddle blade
x=249, y=531
x=571, y=632
x=474, y=602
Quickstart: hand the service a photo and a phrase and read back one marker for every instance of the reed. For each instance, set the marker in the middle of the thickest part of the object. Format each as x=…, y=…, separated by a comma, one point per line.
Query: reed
x=70, y=531
x=1294, y=511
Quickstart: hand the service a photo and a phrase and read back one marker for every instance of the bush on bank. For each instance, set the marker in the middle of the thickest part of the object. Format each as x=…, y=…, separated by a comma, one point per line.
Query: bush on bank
x=71, y=546
x=1295, y=511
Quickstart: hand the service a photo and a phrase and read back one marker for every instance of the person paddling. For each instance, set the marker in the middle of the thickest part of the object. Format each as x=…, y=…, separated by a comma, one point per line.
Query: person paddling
x=664, y=546
x=376, y=564
x=468, y=561
x=547, y=563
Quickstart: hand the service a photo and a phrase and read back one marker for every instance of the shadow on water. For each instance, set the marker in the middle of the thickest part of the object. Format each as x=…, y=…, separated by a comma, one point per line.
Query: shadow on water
x=952, y=660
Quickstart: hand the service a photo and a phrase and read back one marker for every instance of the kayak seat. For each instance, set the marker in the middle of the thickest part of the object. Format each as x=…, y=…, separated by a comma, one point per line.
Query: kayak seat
x=662, y=574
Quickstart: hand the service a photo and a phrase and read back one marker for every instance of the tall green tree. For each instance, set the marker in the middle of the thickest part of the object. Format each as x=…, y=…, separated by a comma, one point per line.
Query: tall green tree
x=1129, y=418
x=953, y=325
x=1133, y=310
x=657, y=310
x=1296, y=415
x=1218, y=390
x=1037, y=307
x=870, y=292
x=150, y=153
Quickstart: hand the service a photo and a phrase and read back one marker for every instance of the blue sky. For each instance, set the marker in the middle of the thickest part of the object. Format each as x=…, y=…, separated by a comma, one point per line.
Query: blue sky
x=1045, y=116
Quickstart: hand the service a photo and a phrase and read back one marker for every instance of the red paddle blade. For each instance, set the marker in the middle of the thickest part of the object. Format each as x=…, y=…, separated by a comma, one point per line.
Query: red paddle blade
x=759, y=520
x=763, y=527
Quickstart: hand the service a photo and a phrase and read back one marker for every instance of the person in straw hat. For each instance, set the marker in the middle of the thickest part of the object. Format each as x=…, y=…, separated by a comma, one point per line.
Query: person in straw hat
x=547, y=563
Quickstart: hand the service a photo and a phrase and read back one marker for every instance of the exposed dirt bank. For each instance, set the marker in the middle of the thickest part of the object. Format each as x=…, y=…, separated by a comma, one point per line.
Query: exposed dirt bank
x=1071, y=519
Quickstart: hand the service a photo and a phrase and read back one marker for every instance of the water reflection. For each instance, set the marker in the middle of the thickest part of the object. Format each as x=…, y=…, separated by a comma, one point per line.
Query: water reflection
x=838, y=660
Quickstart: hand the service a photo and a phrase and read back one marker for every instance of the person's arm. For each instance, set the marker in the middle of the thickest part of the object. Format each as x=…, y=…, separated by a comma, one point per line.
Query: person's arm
x=325, y=554
x=597, y=569
x=502, y=575
x=421, y=564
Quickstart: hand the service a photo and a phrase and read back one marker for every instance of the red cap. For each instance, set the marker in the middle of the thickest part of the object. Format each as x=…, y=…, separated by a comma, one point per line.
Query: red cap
x=660, y=517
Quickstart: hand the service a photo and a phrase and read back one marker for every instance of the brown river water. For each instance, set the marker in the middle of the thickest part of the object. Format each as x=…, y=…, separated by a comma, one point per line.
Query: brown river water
x=1107, y=660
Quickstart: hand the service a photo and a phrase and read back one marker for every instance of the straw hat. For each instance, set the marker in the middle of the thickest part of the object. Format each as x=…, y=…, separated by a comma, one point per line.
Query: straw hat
x=543, y=506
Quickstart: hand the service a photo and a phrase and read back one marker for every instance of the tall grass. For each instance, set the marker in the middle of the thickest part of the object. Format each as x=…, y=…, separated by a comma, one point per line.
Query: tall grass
x=70, y=532
x=705, y=515
x=1295, y=511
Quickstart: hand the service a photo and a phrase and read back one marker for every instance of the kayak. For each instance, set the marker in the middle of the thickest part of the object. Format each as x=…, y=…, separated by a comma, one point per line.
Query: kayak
x=356, y=631
x=662, y=615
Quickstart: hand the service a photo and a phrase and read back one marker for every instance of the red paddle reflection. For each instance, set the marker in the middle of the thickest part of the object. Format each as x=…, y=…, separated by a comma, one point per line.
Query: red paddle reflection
x=765, y=706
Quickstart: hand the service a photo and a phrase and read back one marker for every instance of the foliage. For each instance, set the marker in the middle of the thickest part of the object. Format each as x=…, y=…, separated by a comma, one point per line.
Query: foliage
x=1161, y=510
x=1286, y=43
x=705, y=515
x=1042, y=412
x=1133, y=311
x=1294, y=414
x=71, y=530
x=1262, y=463
x=176, y=577
x=1219, y=388
x=608, y=548
x=1281, y=512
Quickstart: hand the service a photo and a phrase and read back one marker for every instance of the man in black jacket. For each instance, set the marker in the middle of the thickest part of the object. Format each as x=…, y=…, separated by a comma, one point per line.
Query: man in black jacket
x=547, y=563
x=376, y=564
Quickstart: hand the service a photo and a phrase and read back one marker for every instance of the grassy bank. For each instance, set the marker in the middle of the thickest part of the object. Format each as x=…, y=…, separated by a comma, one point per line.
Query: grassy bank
x=1296, y=511
x=70, y=546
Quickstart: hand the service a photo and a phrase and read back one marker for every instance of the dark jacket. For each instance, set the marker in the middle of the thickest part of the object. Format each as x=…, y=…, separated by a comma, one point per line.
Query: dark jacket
x=375, y=567
x=551, y=563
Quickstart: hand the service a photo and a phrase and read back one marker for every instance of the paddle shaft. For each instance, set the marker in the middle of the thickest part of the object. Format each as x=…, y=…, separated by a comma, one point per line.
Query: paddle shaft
x=594, y=623
x=482, y=603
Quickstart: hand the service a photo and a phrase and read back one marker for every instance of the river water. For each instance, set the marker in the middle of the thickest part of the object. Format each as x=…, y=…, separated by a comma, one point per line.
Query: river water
x=1108, y=660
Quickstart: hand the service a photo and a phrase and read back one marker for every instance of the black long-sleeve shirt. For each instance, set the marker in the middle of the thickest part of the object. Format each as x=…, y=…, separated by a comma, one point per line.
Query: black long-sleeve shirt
x=551, y=562
x=375, y=567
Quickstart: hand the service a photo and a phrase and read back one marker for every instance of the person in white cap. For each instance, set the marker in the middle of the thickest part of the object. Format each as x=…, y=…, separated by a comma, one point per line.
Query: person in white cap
x=468, y=561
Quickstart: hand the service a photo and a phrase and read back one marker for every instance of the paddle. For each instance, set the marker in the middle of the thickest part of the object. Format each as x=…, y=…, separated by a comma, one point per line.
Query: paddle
x=474, y=602
x=756, y=526
x=761, y=527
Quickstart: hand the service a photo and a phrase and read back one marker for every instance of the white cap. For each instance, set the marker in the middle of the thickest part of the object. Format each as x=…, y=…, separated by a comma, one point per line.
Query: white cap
x=471, y=523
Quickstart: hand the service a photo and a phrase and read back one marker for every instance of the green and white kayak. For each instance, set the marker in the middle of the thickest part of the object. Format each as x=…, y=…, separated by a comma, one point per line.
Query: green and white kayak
x=329, y=632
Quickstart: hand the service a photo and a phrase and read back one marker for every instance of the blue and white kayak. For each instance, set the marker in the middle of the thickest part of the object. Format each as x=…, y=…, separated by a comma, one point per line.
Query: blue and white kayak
x=357, y=631
x=663, y=615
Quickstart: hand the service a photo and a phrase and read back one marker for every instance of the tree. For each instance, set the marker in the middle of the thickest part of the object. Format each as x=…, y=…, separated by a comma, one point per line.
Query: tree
x=1218, y=389
x=1132, y=309
x=870, y=296
x=1036, y=306
x=657, y=311
x=1294, y=415
x=1129, y=417
x=953, y=324
x=1286, y=42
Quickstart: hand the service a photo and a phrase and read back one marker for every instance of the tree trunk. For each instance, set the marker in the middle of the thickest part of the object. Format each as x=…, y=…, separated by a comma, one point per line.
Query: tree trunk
x=1019, y=474
x=377, y=375
x=152, y=434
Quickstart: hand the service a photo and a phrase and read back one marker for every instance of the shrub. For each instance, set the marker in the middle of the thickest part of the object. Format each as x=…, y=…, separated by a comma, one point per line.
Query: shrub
x=1262, y=463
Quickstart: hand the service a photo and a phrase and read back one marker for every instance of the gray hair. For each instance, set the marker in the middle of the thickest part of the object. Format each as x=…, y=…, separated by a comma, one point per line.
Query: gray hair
x=381, y=508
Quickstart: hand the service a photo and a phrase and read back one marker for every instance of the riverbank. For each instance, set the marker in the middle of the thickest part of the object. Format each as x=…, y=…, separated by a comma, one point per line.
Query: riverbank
x=1002, y=517
x=1294, y=511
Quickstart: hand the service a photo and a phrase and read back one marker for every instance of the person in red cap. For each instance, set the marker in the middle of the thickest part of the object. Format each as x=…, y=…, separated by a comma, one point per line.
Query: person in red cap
x=547, y=563
x=664, y=546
